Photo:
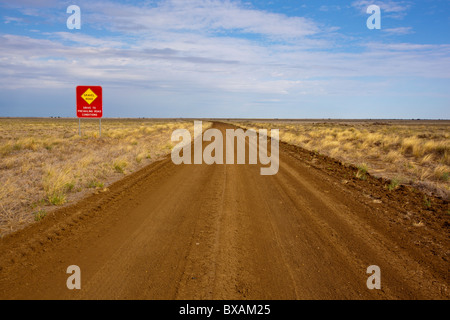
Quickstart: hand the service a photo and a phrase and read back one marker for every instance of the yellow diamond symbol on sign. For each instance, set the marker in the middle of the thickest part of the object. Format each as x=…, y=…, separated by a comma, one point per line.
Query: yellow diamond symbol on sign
x=89, y=96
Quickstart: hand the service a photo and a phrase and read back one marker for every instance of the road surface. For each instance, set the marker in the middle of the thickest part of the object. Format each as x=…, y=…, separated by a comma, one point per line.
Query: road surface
x=227, y=232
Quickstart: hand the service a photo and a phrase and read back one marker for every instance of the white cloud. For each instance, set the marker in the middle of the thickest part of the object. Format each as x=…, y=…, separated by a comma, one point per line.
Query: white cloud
x=85, y=40
x=394, y=9
x=193, y=47
x=7, y=20
x=204, y=16
x=327, y=8
x=399, y=31
x=199, y=63
x=29, y=3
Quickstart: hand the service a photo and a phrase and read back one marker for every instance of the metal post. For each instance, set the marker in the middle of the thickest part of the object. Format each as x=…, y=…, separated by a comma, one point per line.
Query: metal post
x=79, y=126
x=100, y=128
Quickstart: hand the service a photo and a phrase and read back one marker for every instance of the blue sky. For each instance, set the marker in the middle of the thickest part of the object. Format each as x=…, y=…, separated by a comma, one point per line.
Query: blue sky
x=215, y=58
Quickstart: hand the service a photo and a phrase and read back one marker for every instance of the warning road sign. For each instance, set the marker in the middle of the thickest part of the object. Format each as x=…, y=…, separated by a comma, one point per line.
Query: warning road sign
x=89, y=102
x=89, y=96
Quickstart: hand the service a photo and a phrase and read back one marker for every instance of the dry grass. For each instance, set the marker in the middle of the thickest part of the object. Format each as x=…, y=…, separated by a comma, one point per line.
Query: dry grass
x=411, y=152
x=44, y=163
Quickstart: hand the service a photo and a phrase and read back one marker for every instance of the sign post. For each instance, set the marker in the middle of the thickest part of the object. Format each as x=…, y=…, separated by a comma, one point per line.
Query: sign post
x=90, y=104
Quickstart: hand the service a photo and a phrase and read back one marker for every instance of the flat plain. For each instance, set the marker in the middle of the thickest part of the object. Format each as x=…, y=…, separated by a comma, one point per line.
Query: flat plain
x=171, y=231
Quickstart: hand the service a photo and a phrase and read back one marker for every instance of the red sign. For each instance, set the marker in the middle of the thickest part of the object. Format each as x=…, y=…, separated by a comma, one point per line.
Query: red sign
x=89, y=102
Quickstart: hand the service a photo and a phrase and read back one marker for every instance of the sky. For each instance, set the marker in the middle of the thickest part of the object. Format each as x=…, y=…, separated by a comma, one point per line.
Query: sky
x=228, y=58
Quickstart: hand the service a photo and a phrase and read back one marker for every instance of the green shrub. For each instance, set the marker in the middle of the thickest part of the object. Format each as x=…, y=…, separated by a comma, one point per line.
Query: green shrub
x=393, y=185
x=39, y=215
x=362, y=171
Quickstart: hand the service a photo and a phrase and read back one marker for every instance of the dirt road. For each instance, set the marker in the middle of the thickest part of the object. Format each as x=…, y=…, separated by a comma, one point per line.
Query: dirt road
x=226, y=232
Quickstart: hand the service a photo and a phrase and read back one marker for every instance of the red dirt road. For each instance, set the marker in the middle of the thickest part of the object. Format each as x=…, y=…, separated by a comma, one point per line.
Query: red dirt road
x=226, y=232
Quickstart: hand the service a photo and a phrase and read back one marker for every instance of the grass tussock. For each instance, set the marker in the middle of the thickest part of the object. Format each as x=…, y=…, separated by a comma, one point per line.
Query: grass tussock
x=362, y=171
x=57, y=182
x=120, y=165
